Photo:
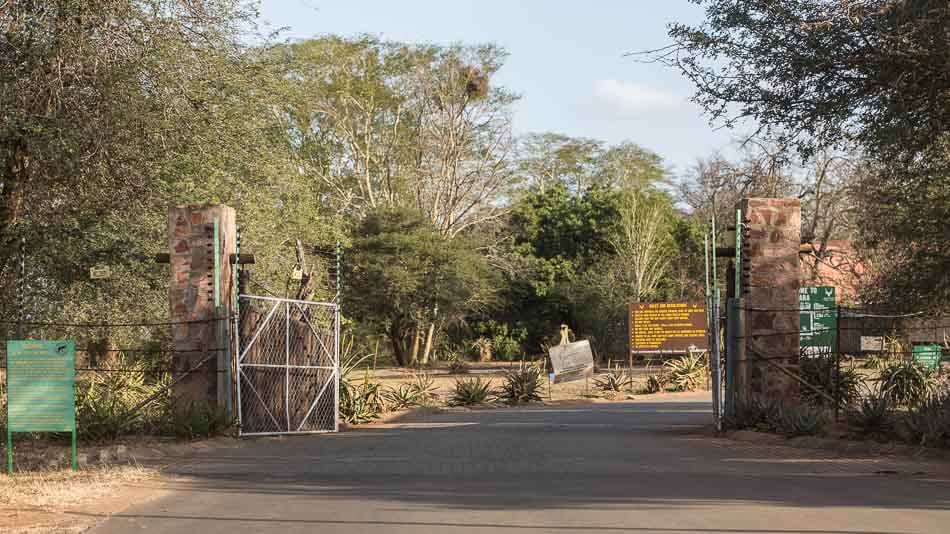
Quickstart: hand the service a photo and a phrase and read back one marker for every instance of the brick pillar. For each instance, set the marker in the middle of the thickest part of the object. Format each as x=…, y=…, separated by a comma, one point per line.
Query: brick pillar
x=770, y=281
x=191, y=296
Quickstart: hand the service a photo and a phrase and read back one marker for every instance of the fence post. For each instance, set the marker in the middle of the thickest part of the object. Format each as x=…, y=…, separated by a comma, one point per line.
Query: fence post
x=715, y=361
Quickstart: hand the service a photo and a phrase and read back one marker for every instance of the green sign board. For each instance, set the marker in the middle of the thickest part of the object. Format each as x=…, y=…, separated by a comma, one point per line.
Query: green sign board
x=928, y=355
x=41, y=389
x=817, y=319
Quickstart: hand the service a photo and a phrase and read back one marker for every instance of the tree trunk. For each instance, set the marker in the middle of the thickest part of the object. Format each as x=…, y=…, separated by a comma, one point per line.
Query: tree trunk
x=429, y=338
x=11, y=195
x=416, y=338
x=395, y=337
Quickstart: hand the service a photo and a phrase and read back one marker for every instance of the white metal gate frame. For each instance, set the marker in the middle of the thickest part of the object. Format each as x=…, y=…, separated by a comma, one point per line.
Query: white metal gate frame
x=241, y=352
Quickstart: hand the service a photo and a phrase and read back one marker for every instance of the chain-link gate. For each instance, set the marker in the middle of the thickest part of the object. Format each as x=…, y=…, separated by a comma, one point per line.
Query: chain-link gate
x=288, y=361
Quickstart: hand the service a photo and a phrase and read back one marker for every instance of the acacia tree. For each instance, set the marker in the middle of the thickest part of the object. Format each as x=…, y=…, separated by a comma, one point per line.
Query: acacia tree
x=873, y=74
x=400, y=268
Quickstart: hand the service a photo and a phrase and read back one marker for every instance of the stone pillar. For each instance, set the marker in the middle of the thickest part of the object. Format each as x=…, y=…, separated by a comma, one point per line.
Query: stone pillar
x=770, y=281
x=202, y=340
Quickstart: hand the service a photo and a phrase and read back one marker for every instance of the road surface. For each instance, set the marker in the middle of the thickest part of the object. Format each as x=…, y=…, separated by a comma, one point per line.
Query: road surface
x=637, y=467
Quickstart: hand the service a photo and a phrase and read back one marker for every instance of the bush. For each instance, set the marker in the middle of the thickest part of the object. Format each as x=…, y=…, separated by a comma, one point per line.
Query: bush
x=819, y=371
x=107, y=403
x=360, y=401
x=521, y=386
x=874, y=415
x=613, y=380
x=402, y=397
x=929, y=423
x=775, y=416
x=458, y=367
x=687, y=373
x=471, y=392
x=907, y=383
x=654, y=384
x=505, y=342
x=200, y=420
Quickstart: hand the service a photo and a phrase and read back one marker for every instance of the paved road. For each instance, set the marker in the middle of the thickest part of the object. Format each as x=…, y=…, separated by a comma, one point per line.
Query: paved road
x=633, y=467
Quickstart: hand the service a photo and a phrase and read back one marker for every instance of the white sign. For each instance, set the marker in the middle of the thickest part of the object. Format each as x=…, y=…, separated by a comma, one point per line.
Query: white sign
x=572, y=361
x=872, y=343
x=100, y=272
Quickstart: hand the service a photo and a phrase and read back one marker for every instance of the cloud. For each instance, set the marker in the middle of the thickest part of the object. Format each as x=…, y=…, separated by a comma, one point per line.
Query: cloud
x=629, y=97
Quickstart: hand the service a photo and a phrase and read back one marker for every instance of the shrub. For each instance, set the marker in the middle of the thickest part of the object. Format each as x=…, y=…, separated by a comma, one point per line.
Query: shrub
x=798, y=420
x=200, y=420
x=654, y=384
x=109, y=404
x=613, y=380
x=687, y=373
x=505, y=342
x=360, y=401
x=471, y=391
x=401, y=397
x=907, y=383
x=929, y=423
x=423, y=385
x=819, y=371
x=873, y=415
x=521, y=386
x=791, y=419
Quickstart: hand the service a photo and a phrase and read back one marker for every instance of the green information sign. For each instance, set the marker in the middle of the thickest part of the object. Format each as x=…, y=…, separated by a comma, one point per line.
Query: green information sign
x=817, y=319
x=41, y=389
x=928, y=355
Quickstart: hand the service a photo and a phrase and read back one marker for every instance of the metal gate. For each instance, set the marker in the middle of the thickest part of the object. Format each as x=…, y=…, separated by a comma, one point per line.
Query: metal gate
x=288, y=366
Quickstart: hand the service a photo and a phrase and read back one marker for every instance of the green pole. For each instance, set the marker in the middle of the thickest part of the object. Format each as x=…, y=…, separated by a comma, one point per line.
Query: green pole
x=9, y=449
x=75, y=463
x=706, y=250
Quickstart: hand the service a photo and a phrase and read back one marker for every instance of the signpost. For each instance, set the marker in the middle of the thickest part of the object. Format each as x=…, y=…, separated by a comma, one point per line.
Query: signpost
x=41, y=392
x=872, y=343
x=572, y=361
x=928, y=356
x=818, y=319
x=667, y=327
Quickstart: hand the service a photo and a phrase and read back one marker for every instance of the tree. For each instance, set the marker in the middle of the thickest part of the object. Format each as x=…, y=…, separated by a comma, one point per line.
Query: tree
x=400, y=269
x=869, y=76
x=393, y=124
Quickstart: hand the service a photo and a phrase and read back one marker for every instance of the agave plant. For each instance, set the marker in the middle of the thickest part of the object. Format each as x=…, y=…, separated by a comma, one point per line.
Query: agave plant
x=424, y=388
x=907, y=383
x=654, y=384
x=929, y=423
x=361, y=401
x=521, y=386
x=798, y=419
x=687, y=373
x=820, y=371
x=401, y=397
x=471, y=392
x=874, y=414
x=613, y=380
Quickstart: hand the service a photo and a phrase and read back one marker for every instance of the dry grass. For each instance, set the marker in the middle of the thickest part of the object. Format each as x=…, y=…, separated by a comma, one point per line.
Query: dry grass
x=55, y=489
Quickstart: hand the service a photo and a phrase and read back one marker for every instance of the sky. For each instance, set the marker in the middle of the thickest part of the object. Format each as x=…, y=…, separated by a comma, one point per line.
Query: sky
x=567, y=61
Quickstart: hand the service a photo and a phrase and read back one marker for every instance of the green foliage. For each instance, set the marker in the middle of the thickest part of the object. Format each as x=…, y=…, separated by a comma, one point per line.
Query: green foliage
x=876, y=362
x=521, y=386
x=400, y=269
x=198, y=420
x=687, y=373
x=654, y=384
x=791, y=419
x=907, y=383
x=928, y=424
x=819, y=371
x=108, y=403
x=506, y=343
x=421, y=391
x=360, y=400
x=613, y=380
x=874, y=415
x=471, y=391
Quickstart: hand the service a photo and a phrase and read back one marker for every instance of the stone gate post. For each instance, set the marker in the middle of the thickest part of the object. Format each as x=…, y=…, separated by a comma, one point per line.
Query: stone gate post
x=200, y=298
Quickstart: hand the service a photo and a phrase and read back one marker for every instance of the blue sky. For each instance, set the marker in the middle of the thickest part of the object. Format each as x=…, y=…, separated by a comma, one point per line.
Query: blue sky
x=566, y=61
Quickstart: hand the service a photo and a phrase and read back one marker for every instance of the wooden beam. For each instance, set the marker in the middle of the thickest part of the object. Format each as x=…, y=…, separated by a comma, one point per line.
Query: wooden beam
x=243, y=259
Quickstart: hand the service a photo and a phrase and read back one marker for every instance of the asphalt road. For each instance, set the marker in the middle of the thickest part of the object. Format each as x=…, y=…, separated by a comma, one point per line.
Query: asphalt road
x=632, y=467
